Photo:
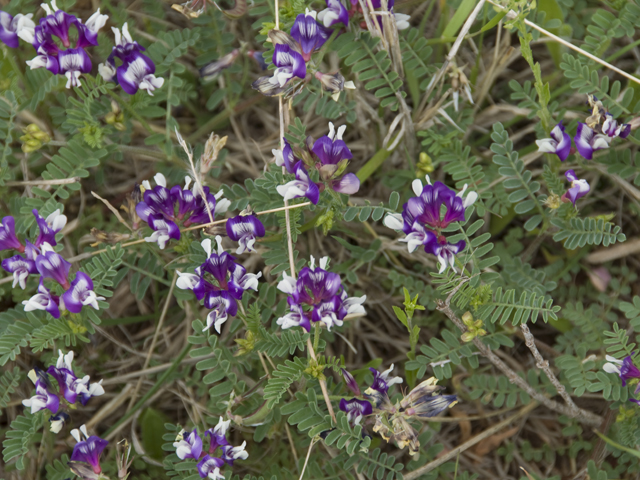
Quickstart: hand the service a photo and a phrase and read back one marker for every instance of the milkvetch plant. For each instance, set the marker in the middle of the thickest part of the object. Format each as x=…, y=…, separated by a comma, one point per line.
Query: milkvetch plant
x=321, y=239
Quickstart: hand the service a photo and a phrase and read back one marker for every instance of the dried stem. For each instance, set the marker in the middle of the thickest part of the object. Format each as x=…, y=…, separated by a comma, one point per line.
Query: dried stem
x=470, y=443
x=543, y=364
x=584, y=416
x=59, y=181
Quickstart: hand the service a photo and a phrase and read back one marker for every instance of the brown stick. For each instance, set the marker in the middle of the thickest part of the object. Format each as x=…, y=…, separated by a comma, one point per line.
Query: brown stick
x=584, y=416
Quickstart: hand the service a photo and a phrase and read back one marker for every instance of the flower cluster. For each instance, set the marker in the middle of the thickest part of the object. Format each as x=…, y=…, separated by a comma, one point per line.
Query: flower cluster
x=317, y=296
x=220, y=282
x=190, y=445
x=85, y=458
x=40, y=258
x=391, y=420
x=329, y=155
x=162, y=208
x=293, y=52
x=136, y=71
x=60, y=57
x=52, y=40
x=422, y=222
x=627, y=371
x=70, y=388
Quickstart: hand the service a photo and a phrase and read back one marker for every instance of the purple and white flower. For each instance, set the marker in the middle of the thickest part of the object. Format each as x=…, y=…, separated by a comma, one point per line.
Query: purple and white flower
x=422, y=222
x=624, y=368
x=8, y=238
x=308, y=33
x=382, y=381
x=285, y=157
x=70, y=385
x=136, y=71
x=244, y=229
x=332, y=156
x=80, y=294
x=230, y=453
x=188, y=445
x=334, y=83
x=559, y=143
x=302, y=186
x=356, y=409
x=317, y=296
x=70, y=61
x=49, y=227
x=88, y=450
x=44, y=397
x=210, y=467
x=12, y=28
x=612, y=130
x=333, y=14
x=43, y=300
x=56, y=422
x=21, y=268
x=51, y=265
x=217, y=435
x=588, y=141
x=445, y=252
x=163, y=231
x=289, y=64
x=579, y=188
x=229, y=281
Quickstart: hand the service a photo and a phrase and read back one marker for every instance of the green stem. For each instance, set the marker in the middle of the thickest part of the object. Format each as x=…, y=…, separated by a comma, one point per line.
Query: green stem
x=164, y=281
x=163, y=378
x=168, y=147
x=316, y=337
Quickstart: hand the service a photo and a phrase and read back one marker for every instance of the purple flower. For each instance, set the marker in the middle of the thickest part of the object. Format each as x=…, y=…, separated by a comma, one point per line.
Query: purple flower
x=445, y=252
x=350, y=382
x=57, y=422
x=13, y=27
x=210, y=467
x=70, y=61
x=43, y=398
x=230, y=453
x=136, y=71
x=52, y=265
x=89, y=450
x=184, y=198
x=228, y=283
x=217, y=435
x=188, y=445
x=49, y=227
x=216, y=205
x=73, y=62
x=80, y=294
x=382, y=382
x=285, y=157
x=333, y=155
x=317, y=295
x=244, y=229
x=163, y=231
x=430, y=406
x=334, y=13
x=43, y=300
x=579, y=188
x=422, y=222
x=308, y=33
x=8, y=238
x=302, y=186
x=289, y=64
x=21, y=268
x=559, y=143
x=157, y=201
x=588, y=141
x=624, y=368
x=612, y=130
x=331, y=149
x=356, y=409
x=70, y=386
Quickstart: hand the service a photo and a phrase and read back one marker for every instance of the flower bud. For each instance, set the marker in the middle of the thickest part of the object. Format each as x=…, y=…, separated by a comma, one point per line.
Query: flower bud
x=83, y=470
x=350, y=382
x=213, y=69
x=211, y=151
